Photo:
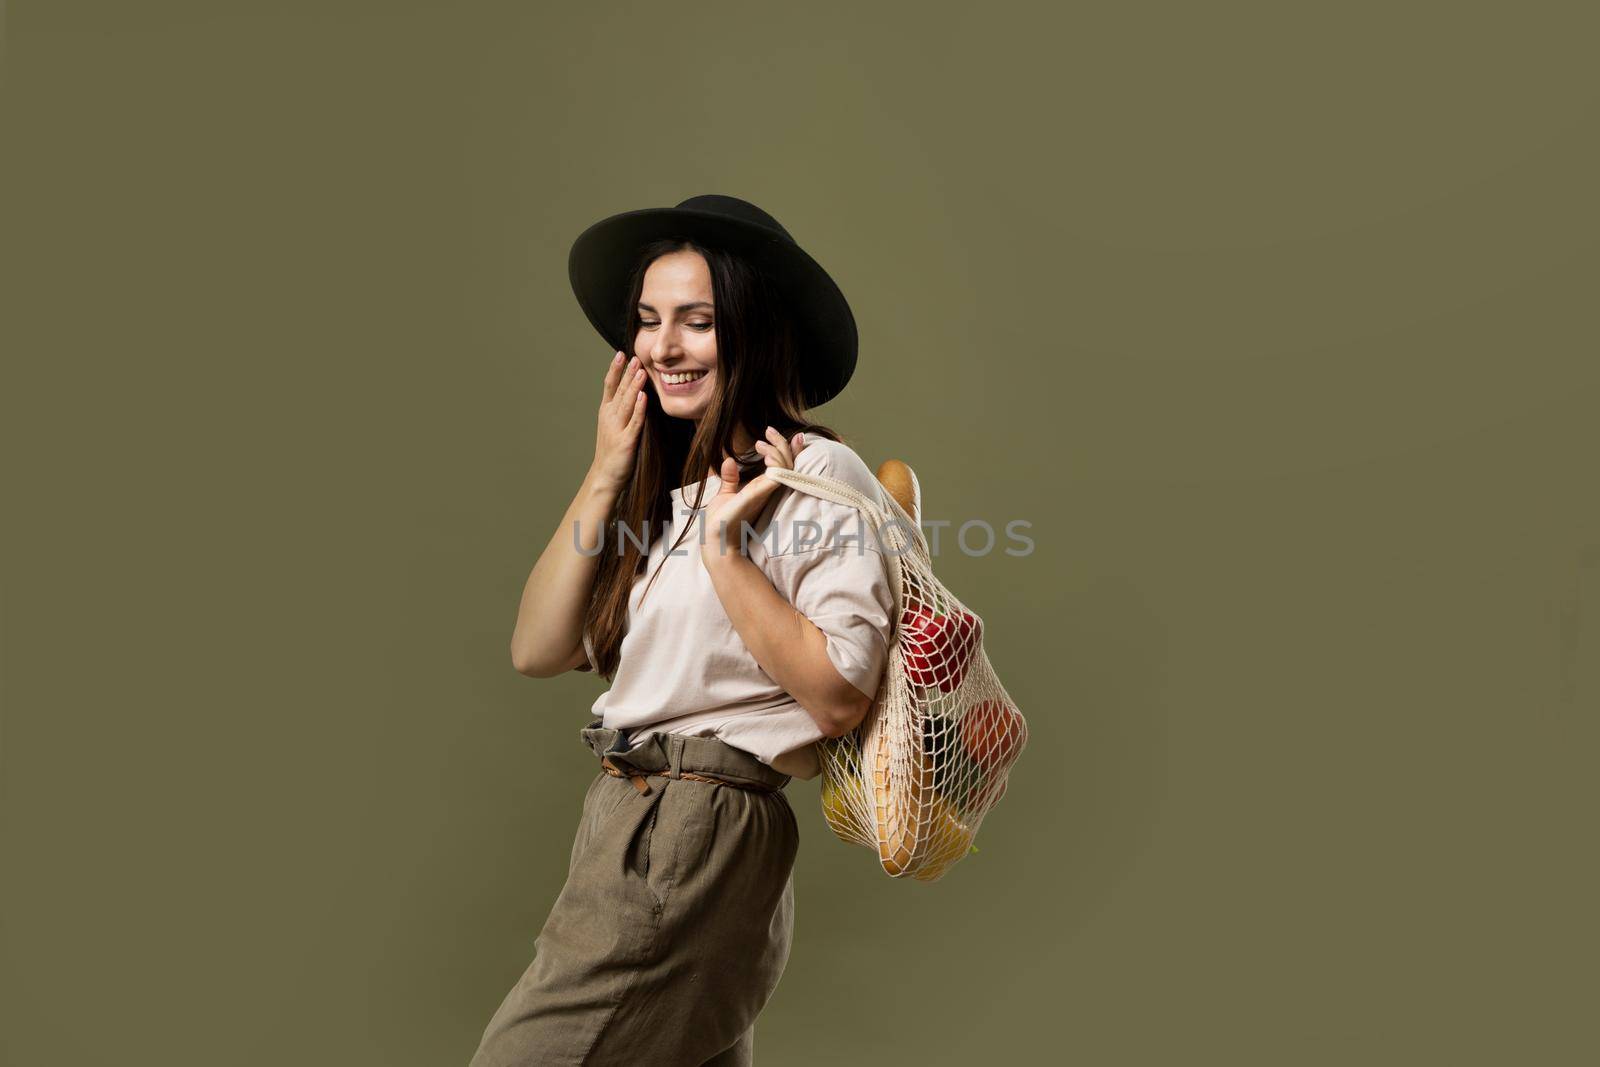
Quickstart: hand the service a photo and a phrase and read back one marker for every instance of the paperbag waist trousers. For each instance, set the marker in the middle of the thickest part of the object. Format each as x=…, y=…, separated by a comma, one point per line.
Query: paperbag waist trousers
x=675, y=921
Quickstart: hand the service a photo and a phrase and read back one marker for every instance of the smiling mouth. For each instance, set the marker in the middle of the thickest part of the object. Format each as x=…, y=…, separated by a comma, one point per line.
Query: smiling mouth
x=682, y=382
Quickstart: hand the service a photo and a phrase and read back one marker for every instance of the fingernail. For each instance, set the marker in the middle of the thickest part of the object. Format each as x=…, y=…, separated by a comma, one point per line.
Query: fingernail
x=616, y=357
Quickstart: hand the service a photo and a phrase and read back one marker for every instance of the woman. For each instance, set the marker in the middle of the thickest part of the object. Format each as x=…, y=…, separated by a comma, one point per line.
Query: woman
x=738, y=625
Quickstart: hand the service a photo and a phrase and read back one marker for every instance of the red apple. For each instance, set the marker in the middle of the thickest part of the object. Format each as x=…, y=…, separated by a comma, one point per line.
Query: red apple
x=937, y=647
x=992, y=733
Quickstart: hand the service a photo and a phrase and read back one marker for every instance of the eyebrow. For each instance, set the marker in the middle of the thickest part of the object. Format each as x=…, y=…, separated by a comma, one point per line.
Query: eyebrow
x=680, y=307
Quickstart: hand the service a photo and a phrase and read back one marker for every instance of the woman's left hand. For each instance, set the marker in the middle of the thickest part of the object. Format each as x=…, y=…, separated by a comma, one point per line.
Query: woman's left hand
x=733, y=506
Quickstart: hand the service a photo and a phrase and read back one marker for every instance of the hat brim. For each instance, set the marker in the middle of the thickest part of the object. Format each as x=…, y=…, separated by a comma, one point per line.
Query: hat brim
x=601, y=262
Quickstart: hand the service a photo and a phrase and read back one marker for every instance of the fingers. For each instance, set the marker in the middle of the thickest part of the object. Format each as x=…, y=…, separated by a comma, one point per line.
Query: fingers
x=734, y=505
x=778, y=452
x=729, y=474
x=752, y=498
x=749, y=497
x=613, y=375
x=636, y=384
x=636, y=419
x=781, y=445
x=620, y=377
x=632, y=377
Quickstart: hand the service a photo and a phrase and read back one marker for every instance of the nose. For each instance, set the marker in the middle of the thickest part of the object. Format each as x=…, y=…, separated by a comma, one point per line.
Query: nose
x=668, y=349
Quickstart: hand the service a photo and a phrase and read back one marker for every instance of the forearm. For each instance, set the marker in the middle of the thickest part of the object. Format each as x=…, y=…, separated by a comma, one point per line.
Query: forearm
x=788, y=646
x=556, y=595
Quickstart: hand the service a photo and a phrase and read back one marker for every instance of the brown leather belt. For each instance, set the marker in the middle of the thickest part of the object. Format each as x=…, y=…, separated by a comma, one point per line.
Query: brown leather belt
x=639, y=777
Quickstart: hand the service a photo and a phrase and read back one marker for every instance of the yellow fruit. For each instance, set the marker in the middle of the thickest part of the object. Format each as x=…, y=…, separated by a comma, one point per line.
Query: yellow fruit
x=836, y=807
x=948, y=840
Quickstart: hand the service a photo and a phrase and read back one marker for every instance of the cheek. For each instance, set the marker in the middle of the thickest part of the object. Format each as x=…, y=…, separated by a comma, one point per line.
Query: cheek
x=705, y=353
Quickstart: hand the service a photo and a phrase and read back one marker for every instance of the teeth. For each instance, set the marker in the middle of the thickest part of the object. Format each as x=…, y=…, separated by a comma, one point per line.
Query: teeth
x=678, y=379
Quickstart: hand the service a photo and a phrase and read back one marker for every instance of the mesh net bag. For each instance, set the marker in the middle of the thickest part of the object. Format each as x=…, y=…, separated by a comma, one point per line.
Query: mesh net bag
x=914, y=780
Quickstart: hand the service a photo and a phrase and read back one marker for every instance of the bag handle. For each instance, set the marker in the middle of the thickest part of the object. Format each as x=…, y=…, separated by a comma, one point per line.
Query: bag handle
x=841, y=492
x=848, y=495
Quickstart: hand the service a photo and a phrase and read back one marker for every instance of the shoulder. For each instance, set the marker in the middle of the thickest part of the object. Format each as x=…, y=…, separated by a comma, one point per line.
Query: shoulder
x=835, y=459
x=800, y=521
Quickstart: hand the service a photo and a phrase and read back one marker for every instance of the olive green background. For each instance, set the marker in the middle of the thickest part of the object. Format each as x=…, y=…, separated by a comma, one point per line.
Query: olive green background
x=1276, y=322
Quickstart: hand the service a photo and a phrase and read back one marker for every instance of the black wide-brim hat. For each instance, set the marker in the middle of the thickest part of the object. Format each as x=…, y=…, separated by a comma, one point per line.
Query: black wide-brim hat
x=602, y=260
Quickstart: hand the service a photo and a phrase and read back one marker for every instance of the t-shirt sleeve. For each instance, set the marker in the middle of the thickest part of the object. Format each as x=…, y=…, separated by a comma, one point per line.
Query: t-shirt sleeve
x=834, y=572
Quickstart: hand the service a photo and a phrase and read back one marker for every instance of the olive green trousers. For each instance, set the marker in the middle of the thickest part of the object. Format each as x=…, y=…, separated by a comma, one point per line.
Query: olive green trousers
x=675, y=921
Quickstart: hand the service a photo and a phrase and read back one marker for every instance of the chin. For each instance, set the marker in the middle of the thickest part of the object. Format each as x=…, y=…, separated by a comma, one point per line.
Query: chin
x=682, y=409
x=694, y=411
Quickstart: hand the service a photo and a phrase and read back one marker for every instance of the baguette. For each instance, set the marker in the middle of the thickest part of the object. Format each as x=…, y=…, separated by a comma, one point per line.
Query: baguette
x=896, y=824
x=901, y=483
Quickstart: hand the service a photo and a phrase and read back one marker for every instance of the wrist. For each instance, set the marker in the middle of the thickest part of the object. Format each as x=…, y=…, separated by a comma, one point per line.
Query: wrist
x=715, y=554
x=600, y=484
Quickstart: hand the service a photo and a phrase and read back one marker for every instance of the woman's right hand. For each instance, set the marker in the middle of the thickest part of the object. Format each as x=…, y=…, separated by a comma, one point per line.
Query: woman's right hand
x=622, y=404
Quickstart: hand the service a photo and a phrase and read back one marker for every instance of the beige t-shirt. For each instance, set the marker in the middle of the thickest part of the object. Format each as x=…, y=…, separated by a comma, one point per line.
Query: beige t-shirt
x=684, y=668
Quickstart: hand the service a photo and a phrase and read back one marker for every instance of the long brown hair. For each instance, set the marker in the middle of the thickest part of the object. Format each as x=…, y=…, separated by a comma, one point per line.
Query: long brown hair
x=758, y=384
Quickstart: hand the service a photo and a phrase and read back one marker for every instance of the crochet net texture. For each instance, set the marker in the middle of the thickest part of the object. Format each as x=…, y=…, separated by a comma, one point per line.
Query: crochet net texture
x=915, y=779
